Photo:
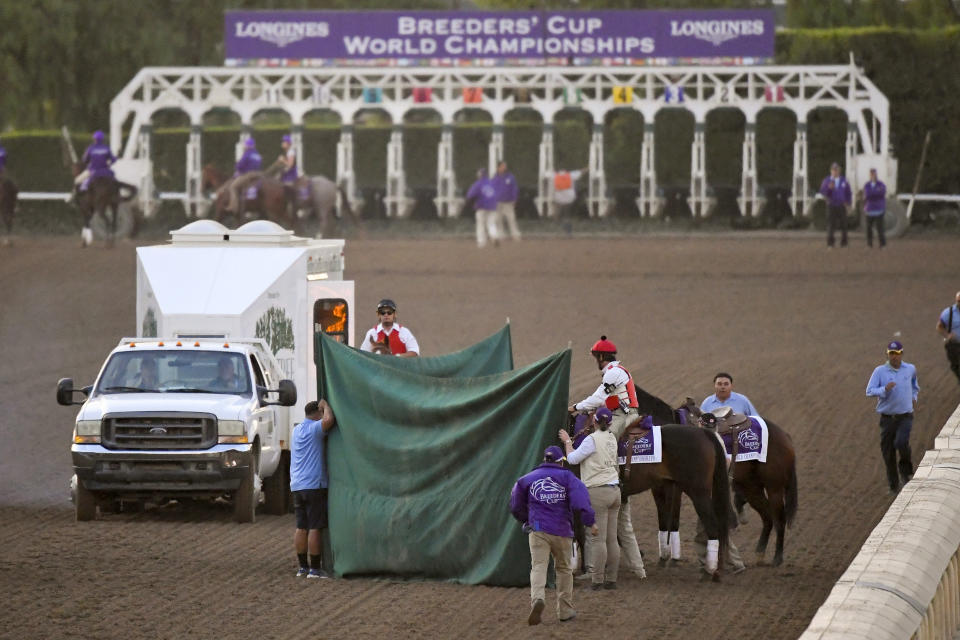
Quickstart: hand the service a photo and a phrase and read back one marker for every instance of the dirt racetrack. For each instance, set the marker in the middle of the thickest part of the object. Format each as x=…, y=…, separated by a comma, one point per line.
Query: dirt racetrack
x=798, y=326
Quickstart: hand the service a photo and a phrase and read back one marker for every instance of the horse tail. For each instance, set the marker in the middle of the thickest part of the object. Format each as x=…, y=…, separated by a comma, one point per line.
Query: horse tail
x=790, y=503
x=129, y=188
x=720, y=492
x=345, y=201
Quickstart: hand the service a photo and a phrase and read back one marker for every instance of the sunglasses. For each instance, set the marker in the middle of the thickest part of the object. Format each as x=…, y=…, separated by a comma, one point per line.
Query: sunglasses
x=386, y=312
x=894, y=352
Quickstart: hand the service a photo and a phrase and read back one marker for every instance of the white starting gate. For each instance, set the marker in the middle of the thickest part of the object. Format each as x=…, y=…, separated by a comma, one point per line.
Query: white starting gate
x=499, y=90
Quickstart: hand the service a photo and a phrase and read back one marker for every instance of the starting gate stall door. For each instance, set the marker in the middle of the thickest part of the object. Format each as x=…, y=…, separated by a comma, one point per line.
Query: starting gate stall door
x=171, y=132
x=571, y=130
x=218, y=141
x=623, y=138
x=522, y=131
x=371, y=134
x=725, y=131
x=673, y=131
x=776, y=133
x=421, y=137
x=269, y=127
x=321, y=133
x=471, y=142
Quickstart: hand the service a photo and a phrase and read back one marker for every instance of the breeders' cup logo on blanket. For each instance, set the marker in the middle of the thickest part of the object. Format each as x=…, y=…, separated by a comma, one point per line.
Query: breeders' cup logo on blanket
x=641, y=445
x=281, y=33
x=749, y=440
x=716, y=32
x=548, y=490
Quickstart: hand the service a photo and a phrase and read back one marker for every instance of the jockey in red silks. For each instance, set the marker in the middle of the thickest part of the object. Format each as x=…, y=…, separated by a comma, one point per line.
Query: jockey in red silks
x=397, y=337
x=617, y=393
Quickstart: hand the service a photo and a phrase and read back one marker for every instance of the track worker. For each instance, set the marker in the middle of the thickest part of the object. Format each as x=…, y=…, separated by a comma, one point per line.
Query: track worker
x=506, y=186
x=836, y=191
x=544, y=501
x=618, y=394
x=597, y=457
x=894, y=383
x=308, y=482
x=565, y=190
x=483, y=194
x=948, y=326
x=391, y=333
x=875, y=207
x=725, y=396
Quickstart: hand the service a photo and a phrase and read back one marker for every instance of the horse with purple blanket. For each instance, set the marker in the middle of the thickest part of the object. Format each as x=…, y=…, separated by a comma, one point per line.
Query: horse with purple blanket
x=692, y=462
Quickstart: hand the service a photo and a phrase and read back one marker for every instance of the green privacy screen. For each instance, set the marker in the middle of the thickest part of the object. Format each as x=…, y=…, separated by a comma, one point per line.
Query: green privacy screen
x=491, y=355
x=421, y=467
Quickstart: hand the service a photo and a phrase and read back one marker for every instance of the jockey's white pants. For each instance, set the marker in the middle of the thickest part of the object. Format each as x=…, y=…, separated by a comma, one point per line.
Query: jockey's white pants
x=487, y=227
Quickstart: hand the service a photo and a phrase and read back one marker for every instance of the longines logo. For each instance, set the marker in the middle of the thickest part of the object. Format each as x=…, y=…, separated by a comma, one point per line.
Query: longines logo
x=716, y=31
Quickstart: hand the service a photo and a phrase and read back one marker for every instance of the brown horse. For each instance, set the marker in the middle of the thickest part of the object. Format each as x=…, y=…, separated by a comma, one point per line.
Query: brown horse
x=769, y=487
x=693, y=462
x=315, y=196
x=8, y=205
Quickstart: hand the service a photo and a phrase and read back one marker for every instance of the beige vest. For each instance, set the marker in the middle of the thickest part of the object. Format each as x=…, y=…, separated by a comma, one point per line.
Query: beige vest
x=600, y=467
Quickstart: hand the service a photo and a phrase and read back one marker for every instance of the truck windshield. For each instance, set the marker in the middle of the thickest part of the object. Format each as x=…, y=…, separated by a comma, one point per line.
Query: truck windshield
x=167, y=371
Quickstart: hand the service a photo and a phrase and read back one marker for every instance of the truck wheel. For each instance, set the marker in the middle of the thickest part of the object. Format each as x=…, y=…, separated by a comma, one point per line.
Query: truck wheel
x=245, y=498
x=86, y=503
x=276, y=488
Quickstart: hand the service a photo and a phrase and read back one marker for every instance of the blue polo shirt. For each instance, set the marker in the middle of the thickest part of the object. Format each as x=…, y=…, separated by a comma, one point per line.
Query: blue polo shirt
x=737, y=401
x=307, y=468
x=900, y=399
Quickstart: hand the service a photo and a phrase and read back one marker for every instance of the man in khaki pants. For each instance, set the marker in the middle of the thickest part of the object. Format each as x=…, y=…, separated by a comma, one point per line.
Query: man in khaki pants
x=544, y=501
x=597, y=457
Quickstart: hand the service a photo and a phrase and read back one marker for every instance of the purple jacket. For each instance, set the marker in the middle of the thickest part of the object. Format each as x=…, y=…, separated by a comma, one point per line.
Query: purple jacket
x=249, y=161
x=875, y=196
x=837, y=195
x=98, y=159
x=3, y=158
x=506, y=186
x=484, y=194
x=546, y=498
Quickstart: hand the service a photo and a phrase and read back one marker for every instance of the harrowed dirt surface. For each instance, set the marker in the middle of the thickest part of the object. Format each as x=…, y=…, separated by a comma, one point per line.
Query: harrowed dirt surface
x=799, y=327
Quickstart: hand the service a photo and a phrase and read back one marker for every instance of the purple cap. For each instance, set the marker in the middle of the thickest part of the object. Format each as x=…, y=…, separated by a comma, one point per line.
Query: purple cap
x=98, y=136
x=895, y=346
x=287, y=139
x=553, y=454
x=250, y=143
x=604, y=415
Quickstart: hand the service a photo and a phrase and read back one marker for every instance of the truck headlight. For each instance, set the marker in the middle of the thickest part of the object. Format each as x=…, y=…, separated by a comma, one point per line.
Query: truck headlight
x=87, y=432
x=231, y=432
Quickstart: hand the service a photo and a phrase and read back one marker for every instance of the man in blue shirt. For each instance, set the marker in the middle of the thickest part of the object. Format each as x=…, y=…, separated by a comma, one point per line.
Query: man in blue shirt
x=948, y=326
x=725, y=396
x=895, y=384
x=836, y=191
x=544, y=501
x=308, y=482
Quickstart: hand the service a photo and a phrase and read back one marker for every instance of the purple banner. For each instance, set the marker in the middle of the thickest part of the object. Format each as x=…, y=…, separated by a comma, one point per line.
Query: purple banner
x=531, y=37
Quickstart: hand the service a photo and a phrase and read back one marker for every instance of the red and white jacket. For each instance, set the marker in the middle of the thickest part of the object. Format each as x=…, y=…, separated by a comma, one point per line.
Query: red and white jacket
x=616, y=381
x=399, y=338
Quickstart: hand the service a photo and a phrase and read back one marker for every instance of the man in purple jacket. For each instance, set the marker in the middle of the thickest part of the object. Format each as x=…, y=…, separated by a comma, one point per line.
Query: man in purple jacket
x=506, y=186
x=483, y=193
x=544, y=501
x=836, y=191
x=246, y=172
x=97, y=160
x=875, y=206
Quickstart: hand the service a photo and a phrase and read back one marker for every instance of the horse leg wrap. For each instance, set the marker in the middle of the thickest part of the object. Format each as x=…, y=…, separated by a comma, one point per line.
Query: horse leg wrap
x=713, y=550
x=87, y=235
x=675, y=545
x=662, y=537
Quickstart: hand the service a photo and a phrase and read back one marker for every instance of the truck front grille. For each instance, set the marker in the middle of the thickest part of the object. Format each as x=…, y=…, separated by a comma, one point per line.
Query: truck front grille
x=159, y=431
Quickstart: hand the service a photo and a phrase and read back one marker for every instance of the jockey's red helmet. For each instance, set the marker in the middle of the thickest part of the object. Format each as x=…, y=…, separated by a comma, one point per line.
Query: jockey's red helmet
x=603, y=346
x=98, y=136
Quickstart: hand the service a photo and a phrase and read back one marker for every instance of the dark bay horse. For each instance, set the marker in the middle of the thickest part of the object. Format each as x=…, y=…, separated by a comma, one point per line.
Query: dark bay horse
x=315, y=196
x=8, y=204
x=103, y=194
x=693, y=462
x=769, y=487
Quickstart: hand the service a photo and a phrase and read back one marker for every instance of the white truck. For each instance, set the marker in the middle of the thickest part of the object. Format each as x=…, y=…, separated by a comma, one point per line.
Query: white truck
x=201, y=403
